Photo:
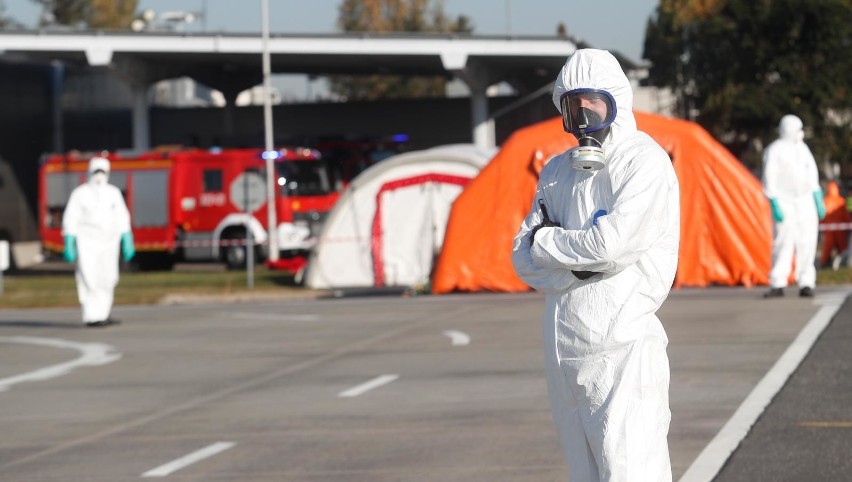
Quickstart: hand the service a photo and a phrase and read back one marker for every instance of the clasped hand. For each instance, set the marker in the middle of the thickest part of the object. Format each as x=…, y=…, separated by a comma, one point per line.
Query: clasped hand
x=544, y=224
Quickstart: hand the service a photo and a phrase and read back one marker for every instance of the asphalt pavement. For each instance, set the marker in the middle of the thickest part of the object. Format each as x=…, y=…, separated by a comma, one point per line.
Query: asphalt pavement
x=400, y=388
x=805, y=434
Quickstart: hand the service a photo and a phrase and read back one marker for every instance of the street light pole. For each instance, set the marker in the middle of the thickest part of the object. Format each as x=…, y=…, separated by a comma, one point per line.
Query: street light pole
x=271, y=174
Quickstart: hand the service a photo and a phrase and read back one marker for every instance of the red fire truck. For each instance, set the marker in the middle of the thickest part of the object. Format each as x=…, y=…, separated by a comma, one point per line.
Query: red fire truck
x=192, y=204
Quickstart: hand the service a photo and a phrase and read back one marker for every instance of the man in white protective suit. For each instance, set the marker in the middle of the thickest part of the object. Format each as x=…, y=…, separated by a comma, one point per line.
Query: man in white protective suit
x=95, y=223
x=601, y=240
x=791, y=182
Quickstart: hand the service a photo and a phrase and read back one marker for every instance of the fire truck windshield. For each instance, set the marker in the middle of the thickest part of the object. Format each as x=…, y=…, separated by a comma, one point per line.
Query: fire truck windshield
x=303, y=178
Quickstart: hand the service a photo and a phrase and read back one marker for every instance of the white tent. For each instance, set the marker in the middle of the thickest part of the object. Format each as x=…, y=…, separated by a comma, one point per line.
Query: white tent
x=388, y=225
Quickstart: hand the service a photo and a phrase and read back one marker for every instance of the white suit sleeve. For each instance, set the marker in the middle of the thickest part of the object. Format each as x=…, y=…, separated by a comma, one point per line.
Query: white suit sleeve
x=546, y=279
x=122, y=221
x=813, y=170
x=621, y=236
x=770, y=173
x=71, y=215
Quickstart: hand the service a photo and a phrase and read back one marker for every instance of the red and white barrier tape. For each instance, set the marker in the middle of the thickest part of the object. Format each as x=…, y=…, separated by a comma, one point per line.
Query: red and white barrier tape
x=835, y=227
x=240, y=242
x=196, y=244
x=823, y=227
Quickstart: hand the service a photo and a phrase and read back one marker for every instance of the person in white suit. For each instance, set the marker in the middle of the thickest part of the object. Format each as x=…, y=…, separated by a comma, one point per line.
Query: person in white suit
x=601, y=240
x=95, y=225
x=791, y=182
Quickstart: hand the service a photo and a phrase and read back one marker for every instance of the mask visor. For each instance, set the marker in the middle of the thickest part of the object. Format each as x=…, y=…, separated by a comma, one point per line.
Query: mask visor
x=587, y=110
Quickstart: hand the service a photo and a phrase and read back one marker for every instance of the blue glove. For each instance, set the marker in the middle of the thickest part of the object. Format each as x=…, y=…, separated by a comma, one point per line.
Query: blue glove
x=70, y=252
x=777, y=215
x=127, y=246
x=820, y=205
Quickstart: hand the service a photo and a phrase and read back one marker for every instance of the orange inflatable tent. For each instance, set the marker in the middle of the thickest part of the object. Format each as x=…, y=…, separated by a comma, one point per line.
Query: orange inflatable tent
x=726, y=226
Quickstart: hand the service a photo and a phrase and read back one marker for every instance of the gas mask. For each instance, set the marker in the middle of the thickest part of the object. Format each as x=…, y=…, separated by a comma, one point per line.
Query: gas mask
x=99, y=178
x=588, y=114
x=98, y=171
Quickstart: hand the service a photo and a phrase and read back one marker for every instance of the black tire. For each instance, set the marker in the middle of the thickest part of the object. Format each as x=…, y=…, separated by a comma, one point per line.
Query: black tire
x=235, y=257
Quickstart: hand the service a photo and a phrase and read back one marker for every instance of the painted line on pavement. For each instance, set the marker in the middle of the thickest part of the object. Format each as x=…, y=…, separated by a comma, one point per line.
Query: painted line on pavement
x=189, y=459
x=92, y=354
x=458, y=338
x=710, y=461
x=366, y=387
x=193, y=403
x=826, y=424
x=275, y=317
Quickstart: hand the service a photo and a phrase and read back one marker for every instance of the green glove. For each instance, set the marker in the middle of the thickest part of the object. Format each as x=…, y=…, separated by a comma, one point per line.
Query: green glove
x=777, y=215
x=70, y=252
x=127, y=246
x=820, y=205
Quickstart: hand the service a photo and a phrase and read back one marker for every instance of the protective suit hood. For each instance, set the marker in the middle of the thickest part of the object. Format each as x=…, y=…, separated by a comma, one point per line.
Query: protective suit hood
x=598, y=69
x=98, y=171
x=98, y=164
x=790, y=128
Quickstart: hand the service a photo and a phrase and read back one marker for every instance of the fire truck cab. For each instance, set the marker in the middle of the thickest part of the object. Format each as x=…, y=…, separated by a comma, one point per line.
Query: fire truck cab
x=193, y=204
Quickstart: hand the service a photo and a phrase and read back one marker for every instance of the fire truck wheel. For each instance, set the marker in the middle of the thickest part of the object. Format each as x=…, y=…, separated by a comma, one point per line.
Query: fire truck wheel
x=235, y=257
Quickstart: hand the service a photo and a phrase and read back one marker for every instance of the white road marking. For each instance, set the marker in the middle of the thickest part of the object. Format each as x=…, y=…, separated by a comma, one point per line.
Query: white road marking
x=275, y=317
x=93, y=354
x=710, y=461
x=458, y=337
x=186, y=460
x=366, y=387
x=201, y=400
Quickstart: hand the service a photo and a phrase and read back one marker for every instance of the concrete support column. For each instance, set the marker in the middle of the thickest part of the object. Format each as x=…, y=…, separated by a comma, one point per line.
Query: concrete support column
x=477, y=78
x=139, y=76
x=228, y=114
x=483, y=125
x=230, y=84
x=141, y=118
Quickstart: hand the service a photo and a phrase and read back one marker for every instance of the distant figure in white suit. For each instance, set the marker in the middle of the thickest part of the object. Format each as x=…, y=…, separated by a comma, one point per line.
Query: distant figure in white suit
x=96, y=224
x=791, y=182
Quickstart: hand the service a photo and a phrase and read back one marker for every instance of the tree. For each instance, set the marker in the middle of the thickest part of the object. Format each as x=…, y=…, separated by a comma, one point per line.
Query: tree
x=101, y=14
x=742, y=64
x=112, y=13
x=390, y=16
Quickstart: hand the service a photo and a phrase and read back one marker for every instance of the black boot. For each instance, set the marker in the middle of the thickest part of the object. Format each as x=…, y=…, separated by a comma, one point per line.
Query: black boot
x=774, y=293
x=806, y=292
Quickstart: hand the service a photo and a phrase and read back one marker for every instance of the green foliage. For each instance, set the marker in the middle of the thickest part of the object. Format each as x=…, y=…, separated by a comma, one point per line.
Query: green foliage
x=744, y=63
x=842, y=276
x=115, y=14
x=47, y=290
x=101, y=14
x=394, y=16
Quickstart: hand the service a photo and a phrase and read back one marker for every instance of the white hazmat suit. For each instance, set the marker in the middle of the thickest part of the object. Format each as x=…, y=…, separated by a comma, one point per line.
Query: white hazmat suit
x=605, y=349
x=95, y=219
x=791, y=182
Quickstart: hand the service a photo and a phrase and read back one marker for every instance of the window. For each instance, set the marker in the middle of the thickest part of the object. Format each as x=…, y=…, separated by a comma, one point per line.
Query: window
x=303, y=178
x=212, y=180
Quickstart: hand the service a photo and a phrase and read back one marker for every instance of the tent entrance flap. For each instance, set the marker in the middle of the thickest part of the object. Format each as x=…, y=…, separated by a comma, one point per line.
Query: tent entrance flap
x=423, y=243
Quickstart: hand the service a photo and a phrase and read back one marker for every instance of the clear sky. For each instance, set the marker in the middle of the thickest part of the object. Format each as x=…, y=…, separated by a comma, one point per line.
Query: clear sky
x=607, y=24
